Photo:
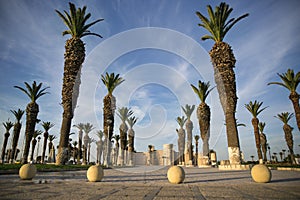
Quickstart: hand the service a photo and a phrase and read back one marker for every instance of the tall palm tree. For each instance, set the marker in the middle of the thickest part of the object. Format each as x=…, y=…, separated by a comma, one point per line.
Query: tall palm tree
x=17, y=129
x=218, y=24
x=181, y=137
x=87, y=128
x=285, y=117
x=291, y=81
x=188, y=110
x=111, y=81
x=263, y=139
x=80, y=127
x=131, y=122
x=203, y=113
x=47, y=126
x=7, y=125
x=33, y=142
x=99, y=146
x=33, y=92
x=255, y=109
x=124, y=113
x=76, y=22
x=197, y=137
x=117, y=146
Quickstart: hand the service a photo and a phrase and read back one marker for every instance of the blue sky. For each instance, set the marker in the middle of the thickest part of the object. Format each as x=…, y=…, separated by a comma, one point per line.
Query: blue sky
x=156, y=47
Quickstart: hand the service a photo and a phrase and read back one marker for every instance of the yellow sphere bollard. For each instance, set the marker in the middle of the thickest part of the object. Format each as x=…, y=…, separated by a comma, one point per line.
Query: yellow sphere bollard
x=176, y=174
x=261, y=173
x=95, y=173
x=27, y=172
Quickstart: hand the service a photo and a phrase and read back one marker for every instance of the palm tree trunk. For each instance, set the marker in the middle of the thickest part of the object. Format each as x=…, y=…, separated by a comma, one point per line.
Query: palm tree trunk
x=32, y=149
x=74, y=57
x=289, y=141
x=223, y=62
x=196, y=154
x=17, y=130
x=46, y=134
x=294, y=97
x=32, y=110
x=189, y=133
x=203, y=114
x=79, y=155
x=123, y=137
x=6, y=135
x=257, y=137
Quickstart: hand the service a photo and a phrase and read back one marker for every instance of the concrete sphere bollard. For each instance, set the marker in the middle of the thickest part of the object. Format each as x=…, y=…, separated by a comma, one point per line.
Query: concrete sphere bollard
x=176, y=174
x=27, y=172
x=261, y=173
x=95, y=173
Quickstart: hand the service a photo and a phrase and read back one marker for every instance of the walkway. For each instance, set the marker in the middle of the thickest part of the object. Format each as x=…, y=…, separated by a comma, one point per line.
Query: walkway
x=151, y=183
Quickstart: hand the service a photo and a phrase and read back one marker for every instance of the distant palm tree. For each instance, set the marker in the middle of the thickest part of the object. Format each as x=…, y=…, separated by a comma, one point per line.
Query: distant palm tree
x=283, y=151
x=197, y=137
x=91, y=140
x=74, y=151
x=188, y=110
x=34, y=141
x=87, y=129
x=223, y=61
x=99, y=146
x=255, y=109
x=17, y=129
x=203, y=113
x=124, y=113
x=51, y=146
x=131, y=122
x=33, y=92
x=181, y=138
x=269, y=148
x=287, y=129
x=111, y=81
x=281, y=156
x=80, y=127
x=252, y=157
x=263, y=139
x=7, y=125
x=47, y=126
x=291, y=81
x=76, y=22
x=117, y=146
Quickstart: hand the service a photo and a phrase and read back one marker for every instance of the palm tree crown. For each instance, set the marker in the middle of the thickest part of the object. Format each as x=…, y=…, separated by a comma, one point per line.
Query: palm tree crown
x=181, y=121
x=131, y=121
x=124, y=113
x=111, y=81
x=99, y=134
x=34, y=91
x=76, y=22
x=254, y=108
x=47, y=125
x=18, y=114
x=261, y=126
x=285, y=117
x=203, y=90
x=188, y=110
x=289, y=80
x=37, y=133
x=8, y=125
x=218, y=24
x=88, y=128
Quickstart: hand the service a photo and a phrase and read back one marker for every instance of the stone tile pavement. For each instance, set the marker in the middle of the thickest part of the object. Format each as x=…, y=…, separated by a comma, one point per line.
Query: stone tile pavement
x=148, y=183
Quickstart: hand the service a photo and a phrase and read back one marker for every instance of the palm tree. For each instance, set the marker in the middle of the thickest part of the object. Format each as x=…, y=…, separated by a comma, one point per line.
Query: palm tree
x=181, y=138
x=87, y=128
x=117, y=138
x=124, y=113
x=287, y=129
x=188, y=110
x=33, y=92
x=269, y=148
x=17, y=129
x=131, y=122
x=47, y=126
x=290, y=81
x=74, y=151
x=80, y=126
x=51, y=146
x=76, y=22
x=223, y=61
x=111, y=81
x=197, y=137
x=283, y=151
x=281, y=155
x=263, y=139
x=7, y=125
x=255, y=109
x=91, y=140
x=34, y=141
x=203, y=113
x=99, y=146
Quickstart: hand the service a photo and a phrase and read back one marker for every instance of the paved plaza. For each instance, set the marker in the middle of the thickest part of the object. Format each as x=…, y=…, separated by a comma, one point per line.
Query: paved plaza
x=150, y=182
